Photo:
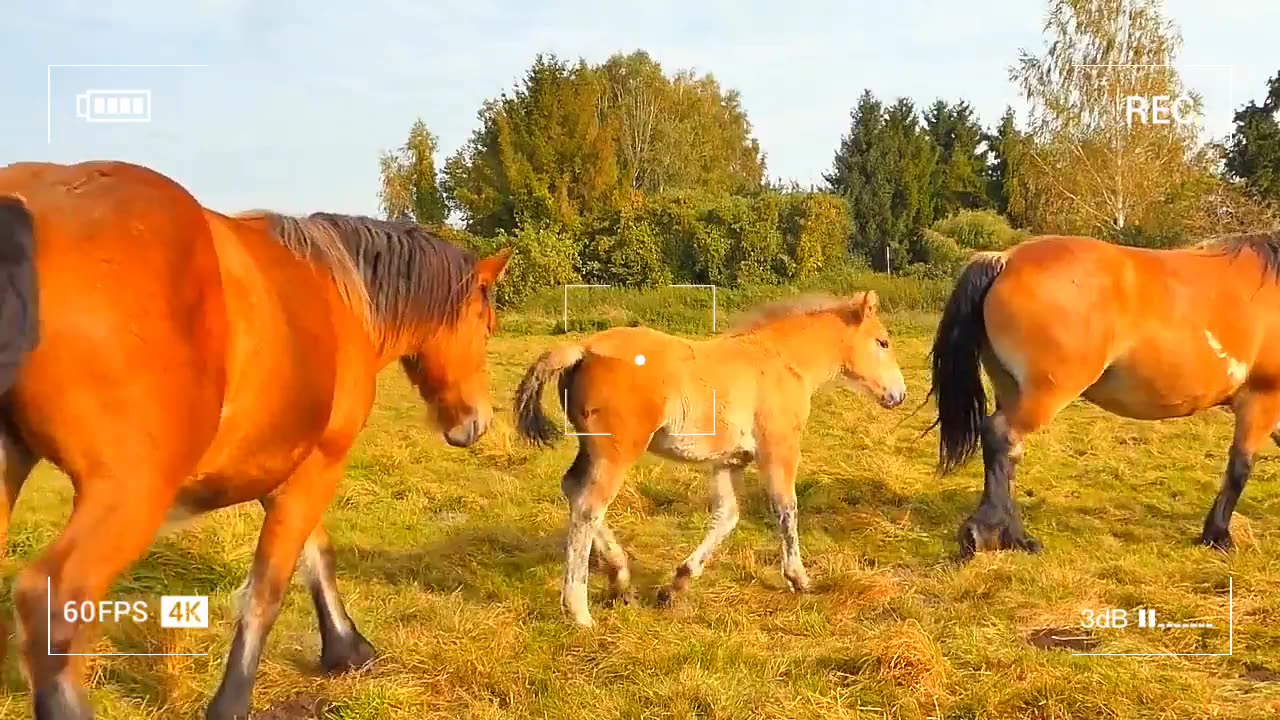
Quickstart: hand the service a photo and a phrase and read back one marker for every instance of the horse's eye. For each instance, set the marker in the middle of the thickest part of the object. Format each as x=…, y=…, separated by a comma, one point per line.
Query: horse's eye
x=883, y=343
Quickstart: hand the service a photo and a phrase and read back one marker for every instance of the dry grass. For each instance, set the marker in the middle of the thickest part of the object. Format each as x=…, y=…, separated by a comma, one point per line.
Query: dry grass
x=450, y=561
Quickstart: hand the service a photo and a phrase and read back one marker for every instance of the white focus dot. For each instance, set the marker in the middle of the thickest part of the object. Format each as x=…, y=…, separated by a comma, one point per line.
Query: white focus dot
x=639, y=359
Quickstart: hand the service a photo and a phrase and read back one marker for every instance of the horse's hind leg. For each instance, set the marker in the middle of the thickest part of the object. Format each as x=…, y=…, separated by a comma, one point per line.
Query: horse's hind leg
x=1256, y=418
x=111, y=525
x=724, y=517
x=17, y=462
x=589, y=485
x=615, y=562
x=996, y=524
x=293, y=514
x=342, y=647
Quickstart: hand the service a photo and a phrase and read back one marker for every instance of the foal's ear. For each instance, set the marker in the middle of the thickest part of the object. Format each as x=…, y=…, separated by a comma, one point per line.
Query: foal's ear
x=491, y=269
x=866, y=305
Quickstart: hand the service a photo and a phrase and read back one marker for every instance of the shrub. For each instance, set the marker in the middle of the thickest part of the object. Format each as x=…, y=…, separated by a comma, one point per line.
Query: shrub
x=979, y=230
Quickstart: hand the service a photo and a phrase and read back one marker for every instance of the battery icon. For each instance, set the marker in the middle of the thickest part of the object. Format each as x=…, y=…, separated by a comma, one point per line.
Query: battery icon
x=114, y=106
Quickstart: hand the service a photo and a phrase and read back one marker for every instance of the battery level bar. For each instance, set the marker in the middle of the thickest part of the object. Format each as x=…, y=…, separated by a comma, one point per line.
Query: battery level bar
x=114, y=106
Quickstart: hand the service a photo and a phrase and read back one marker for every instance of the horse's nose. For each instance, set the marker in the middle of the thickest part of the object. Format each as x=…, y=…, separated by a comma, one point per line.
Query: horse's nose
x=895, y=397
x=465, y=434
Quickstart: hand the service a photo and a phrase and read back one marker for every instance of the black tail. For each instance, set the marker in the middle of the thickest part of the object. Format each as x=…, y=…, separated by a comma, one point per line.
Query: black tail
x=957, y=376
x=19, y=306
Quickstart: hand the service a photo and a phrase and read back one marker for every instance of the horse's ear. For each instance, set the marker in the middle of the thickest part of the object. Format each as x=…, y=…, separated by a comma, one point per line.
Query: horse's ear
x=865, y=305
x=491, y=269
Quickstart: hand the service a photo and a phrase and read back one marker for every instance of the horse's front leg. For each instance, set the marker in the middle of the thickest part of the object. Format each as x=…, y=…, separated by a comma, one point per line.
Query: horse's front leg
x=292, y=514
x=1256, y=418
x=779, y=463
x=342, y=647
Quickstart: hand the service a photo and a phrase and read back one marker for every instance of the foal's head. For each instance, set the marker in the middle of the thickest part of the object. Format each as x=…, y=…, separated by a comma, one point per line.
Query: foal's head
x=866, y=359
x=450, y=367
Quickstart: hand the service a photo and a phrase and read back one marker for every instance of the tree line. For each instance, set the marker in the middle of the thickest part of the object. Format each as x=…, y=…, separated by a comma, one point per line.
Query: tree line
x=624, y=173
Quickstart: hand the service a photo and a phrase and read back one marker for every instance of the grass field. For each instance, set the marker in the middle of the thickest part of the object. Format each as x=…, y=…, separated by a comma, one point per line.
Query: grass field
x=450, y=561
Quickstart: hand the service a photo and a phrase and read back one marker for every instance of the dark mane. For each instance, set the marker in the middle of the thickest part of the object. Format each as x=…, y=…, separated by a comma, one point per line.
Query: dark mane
x=406, y=274
x=1265, y=244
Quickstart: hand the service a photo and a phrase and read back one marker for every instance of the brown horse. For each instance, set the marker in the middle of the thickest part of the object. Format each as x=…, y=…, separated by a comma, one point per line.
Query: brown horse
x=189, y=361
x=723, y=402
x=1145, y=334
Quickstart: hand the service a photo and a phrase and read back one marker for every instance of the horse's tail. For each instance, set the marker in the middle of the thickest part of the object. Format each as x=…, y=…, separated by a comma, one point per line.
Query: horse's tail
x=19, y=307
x=531, y=422
x=957, y=376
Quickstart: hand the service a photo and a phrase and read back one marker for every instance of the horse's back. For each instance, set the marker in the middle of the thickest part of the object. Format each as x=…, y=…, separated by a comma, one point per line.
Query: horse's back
x=1144, y=333
x=131, y=321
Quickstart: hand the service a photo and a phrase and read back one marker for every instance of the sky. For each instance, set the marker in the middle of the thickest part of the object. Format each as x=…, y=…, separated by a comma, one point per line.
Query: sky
x=296, y=99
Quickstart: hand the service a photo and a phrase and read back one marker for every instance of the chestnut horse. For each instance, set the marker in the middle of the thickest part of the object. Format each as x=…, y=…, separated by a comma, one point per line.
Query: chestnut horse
x=188, y=361
x=1144, y=334
x=722, y=402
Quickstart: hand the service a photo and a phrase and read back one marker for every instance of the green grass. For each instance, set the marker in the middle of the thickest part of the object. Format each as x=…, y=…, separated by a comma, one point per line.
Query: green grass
x=450, y=561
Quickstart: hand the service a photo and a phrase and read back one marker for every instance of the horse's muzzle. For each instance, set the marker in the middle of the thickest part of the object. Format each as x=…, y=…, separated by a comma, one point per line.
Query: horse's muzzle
x=893, y=398
x=465, y=434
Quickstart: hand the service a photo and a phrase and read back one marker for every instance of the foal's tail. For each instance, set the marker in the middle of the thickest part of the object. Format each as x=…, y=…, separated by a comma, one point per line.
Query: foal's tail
x=957, y=377
x=19, y=326
x=531, y=422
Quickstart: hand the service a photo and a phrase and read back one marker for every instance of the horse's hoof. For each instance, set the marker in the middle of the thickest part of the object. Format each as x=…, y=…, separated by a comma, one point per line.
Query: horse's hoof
x=666, y=597
x=798, y=583
x=353, y=654
x=623, y=598
x=980, y=536
x=1220, y=541
x=60, y=701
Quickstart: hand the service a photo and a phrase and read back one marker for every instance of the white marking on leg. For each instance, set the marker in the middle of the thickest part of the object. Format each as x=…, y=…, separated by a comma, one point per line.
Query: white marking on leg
x=313, y=570
x=724, y=517
x=1236, y=370
x=573, y=595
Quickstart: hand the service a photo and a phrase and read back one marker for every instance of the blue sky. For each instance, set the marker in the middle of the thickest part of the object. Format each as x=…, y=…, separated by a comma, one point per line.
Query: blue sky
x=299, y=98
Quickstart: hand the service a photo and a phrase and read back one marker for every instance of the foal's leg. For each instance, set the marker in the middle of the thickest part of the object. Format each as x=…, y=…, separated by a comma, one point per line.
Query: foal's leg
x=111, y=525
x=615, y=562
x=342, y=647
x=17, y=462
x=778, y=464
x=724, y=517
x=1256, y=417
x=293, y=513
x=590, y=485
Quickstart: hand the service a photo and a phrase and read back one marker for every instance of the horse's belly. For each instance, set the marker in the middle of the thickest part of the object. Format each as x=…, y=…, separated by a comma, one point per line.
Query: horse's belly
x=1146, y=393
x=704, y=447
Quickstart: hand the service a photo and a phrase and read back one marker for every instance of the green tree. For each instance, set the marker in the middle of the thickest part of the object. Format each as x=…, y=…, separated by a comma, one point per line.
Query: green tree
x=410, y=188
x=1253, y=150
x=1093, y=168
x=959, y=177
x=1007, y=149
x=573, y=141
x=884, y=168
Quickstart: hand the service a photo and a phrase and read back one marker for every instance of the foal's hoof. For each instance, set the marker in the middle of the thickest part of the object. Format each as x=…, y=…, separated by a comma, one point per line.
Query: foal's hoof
x=1217, y=539
x=980, y=536
x=350, y=654
x=59, y=701
x=798, y=583
x=666, y=597
x=623, y=598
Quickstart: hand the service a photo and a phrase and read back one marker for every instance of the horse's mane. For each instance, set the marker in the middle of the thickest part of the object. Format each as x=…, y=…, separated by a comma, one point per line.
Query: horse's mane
x=1264, y=244
x=805, y=304
x=399, y=273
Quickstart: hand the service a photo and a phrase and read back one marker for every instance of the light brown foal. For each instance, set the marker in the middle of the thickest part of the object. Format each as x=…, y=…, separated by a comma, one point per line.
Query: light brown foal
x=723, y=402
